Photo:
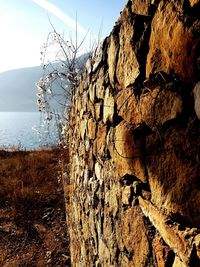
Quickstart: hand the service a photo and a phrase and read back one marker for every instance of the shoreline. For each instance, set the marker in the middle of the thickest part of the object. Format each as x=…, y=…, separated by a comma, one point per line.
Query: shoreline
x=12, y=149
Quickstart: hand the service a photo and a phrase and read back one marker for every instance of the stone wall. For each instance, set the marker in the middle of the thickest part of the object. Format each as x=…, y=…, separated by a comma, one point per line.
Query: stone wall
x=133, y=194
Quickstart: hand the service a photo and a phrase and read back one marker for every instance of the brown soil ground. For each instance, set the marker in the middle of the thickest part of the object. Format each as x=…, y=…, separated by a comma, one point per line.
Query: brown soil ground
x=32, y=213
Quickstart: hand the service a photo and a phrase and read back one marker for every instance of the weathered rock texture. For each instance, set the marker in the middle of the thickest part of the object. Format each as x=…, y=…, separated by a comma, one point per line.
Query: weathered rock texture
x=134, y=139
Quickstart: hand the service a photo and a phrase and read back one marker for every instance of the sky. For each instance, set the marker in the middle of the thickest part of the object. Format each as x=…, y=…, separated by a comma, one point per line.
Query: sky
x=24, y=25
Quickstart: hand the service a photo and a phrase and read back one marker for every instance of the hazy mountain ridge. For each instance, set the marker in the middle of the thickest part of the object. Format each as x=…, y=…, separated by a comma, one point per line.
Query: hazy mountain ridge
x=18, y=89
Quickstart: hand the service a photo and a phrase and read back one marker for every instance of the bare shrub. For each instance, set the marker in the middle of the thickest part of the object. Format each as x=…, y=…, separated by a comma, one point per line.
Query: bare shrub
x=62, y=67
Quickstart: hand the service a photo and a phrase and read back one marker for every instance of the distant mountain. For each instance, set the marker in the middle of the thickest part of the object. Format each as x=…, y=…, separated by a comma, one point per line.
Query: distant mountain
x=18, y=90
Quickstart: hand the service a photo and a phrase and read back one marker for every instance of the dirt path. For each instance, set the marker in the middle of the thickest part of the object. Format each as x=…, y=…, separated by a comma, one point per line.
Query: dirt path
x=34, y=240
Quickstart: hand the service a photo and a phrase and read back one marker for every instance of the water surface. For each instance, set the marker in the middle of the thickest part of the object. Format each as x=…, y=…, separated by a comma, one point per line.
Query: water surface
x=25, y=130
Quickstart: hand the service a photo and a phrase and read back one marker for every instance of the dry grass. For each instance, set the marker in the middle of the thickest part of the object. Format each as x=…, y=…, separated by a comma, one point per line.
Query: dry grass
x=32, y=214
x=27, y=177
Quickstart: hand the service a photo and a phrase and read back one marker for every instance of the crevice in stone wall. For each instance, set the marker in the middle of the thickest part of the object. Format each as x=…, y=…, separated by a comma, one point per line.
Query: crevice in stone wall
x=117, y=255
x=115, y=34
x=128, y=254
x=105, y=55
x=163, y=254
x=170, y=259
x=140, y=43
x=128, y=180
x=142, y=130
x=151, y=232
x=194, y=260
x=116, y=120
x=142, y=137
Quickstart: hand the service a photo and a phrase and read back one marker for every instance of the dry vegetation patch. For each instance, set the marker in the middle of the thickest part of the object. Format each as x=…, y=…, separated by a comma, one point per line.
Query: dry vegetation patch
x=32, y=214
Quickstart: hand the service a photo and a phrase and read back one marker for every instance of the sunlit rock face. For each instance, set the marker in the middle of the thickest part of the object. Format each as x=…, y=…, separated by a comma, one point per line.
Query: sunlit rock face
x=174, y=41
x=133, y=194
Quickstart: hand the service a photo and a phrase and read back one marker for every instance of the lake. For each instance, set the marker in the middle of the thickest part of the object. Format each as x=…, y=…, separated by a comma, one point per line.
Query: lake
x=25, y=130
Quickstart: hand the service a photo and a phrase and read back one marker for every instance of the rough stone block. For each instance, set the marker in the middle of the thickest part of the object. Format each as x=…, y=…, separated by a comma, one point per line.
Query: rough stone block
x=164, y=255
x=98, y=171
x=173, y=45
x=169, y=232
x=89, y=65
x=126, y=152
x=91, y=108
x=91, y=160
x=132, y=235
x=128, y=107
x=127, y=69
x=91, y=129
x=178, y=263
x=98, y=111
x=108, y=107
x=197, y=245
x=84, y=101
x=167, y=106
x=104, y=254
x=126, y=195
x=173, y=171
x=113, y=49
x=92, y=92
x=100, y=84
x=83, y=125
x=100, y=141
x=81, y=87
x=159, y=106
x=79, y=103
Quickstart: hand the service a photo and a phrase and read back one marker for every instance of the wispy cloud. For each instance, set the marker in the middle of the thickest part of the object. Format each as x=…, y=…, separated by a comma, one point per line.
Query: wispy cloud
x=61, y=15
